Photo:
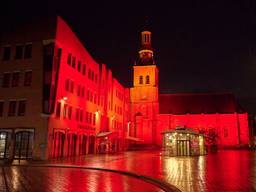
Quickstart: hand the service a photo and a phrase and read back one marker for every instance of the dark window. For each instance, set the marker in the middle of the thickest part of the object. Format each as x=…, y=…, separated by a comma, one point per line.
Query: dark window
x=89, y=74
x=22, y=108
x=12, y=108
x=70, y=112
x=6, y=80
x=96, y=78
x=77, y=114
x=92, y=76
x=67, y=85
x=74, y=62
x=78, y=90
x=141, y=79
x=82, y=92
x=72, y=86
x=58, y=108
x=19, y=52
x=94, y=119
x=147, y=79
x=65, y=111
x=28, y=78
x=1, y=108
x=28, y=51
x=81, y=115
x=69, y=59
x=79, y=66
x=7, y=53
x=84, y=70
x=15, y=79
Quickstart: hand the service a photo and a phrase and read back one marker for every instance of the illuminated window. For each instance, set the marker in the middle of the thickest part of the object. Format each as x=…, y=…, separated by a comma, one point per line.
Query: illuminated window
x=6, y=80
x=7, y=53
x=147, y=79
x=22, y=108
x=141, y=79
x=28, y=51
x=69, y=59
x=15, y=79
x=28, y=78
x=12, y=108
x=58, y=108
x=1, y=108
x=19, y=52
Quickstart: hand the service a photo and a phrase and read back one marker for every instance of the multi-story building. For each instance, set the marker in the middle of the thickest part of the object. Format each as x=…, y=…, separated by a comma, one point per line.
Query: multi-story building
x=56, y=101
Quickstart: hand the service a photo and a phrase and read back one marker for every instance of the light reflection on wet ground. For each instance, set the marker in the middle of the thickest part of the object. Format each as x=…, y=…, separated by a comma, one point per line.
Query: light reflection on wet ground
x=224, y=171
x=65, y=180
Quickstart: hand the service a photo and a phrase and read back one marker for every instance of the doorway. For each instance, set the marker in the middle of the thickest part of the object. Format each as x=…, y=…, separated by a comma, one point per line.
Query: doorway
x=23, y=145
x=58, y=147
x=4, y=138
x=183, y=147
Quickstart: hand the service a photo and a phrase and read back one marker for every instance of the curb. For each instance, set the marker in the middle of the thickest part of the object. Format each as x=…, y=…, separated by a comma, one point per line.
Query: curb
x=157, y=182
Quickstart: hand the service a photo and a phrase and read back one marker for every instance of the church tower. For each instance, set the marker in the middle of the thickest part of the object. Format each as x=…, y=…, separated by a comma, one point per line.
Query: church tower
x=144, y=94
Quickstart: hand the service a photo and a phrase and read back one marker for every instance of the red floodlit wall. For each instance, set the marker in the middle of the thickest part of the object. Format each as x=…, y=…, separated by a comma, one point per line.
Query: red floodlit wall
x=96, y=98
x=227, y=126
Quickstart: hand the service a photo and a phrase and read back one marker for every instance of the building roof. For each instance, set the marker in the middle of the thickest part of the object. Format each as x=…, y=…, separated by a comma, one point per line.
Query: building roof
x=198, y=103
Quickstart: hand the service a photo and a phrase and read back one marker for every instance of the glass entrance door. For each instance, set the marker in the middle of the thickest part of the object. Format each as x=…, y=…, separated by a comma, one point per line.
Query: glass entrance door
x=23, y=145
x=183, y=148
x=4, y=153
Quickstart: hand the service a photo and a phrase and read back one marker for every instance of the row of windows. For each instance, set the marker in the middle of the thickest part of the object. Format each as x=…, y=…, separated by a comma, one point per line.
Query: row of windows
x=90, y=118
x=117, y=125
x=141, y=79
x=13, y=79
x=81, y=68
x=119, y=95
x=22, y=51
x=15, y=108
x=118, y=110
x=69, y=87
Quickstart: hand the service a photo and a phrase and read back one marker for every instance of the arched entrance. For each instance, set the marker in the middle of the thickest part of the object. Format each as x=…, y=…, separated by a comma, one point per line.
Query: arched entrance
x=23, y=145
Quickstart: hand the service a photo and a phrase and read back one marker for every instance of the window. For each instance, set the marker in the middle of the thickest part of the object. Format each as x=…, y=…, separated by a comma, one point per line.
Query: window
x=70, y=112
x=12, y=108
x=92, y=76
x=77, y=114
x=7, y=53
x=89, y=74
x=72, y=86
x=28, y=51
x=15, y=79
x=28, y=78
x=78, y=90
x=65, y=111
x=19, y=52
x=147, y=79
x=1, y=108
x=74, y=62
x=69, y=59
x=84, y=70
x=96, y=78
x=94, y=119
x=58, y=108
x=6, y=80
x=67, y=85
x=82, y=92
x=22, y=108
x=79, y=66
x=81, y=115
x=141, y=80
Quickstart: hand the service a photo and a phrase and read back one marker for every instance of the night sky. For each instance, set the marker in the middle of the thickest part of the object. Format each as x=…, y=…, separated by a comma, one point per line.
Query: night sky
x=200, y=46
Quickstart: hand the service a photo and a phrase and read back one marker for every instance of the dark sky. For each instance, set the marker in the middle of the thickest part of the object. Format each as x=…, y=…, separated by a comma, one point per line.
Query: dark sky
x=200, y=46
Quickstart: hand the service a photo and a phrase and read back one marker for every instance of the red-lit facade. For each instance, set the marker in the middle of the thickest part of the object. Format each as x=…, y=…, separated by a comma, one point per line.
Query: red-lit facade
x=70, y=105
x=153, y=113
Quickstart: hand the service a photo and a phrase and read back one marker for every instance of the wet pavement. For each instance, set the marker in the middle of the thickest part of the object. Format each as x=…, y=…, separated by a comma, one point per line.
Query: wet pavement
x=226, y=171
x=45, y=179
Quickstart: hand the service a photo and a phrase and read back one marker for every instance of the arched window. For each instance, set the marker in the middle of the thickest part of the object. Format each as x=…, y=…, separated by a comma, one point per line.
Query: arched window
x=147, y=79
x=141, y=79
